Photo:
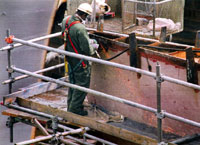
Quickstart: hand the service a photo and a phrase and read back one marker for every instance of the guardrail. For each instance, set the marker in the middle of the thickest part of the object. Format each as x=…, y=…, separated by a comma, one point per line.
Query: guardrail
x=160, y=114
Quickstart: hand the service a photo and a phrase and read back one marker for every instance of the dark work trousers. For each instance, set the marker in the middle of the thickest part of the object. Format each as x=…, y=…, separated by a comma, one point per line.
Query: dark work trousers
x=81, y=77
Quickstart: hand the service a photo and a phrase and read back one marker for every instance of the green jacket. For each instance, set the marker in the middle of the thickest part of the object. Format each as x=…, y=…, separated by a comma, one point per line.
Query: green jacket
x=80, y=39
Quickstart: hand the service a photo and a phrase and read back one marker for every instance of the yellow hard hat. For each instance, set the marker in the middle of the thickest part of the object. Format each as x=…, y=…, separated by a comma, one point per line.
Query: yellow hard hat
x=85, y=7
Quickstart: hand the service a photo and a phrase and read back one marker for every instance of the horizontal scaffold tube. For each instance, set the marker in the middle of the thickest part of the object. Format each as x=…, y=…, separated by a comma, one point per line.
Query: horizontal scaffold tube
x=39, y=71
x=150, y=3
x=125, y=67
x=90, y=29
x=76, y=131
x=32, y=40
x=88, y=135
x=97, y=93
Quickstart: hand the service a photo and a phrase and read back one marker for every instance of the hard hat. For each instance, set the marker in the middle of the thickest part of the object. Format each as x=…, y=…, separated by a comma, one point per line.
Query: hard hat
x=85, y=7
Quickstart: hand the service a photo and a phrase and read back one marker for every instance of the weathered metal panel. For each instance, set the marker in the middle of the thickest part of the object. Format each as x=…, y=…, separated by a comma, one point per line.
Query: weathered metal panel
x=176, y=99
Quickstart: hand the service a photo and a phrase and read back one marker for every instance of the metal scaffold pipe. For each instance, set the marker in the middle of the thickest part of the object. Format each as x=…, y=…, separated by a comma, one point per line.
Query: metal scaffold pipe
x=76, y=131
x=88, y=135
x=37, y=72
x=151, y=3
x=31, y=111
x=9, y=65
x=159, y=108
x=125, y=67
x=39, y=46
x=32, y=40
x=40, y=127
x=91, y=29
x=100, y=94
x=178, y=118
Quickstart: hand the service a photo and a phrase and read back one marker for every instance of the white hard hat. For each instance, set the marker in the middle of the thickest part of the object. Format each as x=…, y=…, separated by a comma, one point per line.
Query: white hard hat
x=85, y=7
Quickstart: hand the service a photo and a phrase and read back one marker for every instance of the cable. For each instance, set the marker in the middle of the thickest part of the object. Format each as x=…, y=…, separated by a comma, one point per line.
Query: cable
x=109, y=59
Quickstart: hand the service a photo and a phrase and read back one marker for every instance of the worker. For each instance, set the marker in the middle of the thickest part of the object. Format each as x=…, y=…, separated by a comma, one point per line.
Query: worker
x=77, y=40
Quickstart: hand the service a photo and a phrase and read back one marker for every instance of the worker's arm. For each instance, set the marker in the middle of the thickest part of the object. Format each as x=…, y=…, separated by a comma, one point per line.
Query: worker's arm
x=85, y=46
x=63, y=25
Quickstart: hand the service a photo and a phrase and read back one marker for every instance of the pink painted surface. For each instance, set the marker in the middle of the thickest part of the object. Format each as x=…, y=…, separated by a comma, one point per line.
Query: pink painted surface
x=176, y=99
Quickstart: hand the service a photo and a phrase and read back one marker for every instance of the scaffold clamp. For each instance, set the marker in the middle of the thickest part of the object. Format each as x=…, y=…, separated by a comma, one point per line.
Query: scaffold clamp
x=9, y=39
x=83, y=131
x=2, y=103
x=160, y=115
x=9, y=69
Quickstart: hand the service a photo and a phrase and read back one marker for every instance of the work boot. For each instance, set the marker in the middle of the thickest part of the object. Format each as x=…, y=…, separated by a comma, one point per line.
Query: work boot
x=81, y=112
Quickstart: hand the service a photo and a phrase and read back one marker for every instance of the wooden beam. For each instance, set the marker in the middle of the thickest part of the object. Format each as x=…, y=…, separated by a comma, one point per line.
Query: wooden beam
x=89, y=122
x=33, y=132
x=16, y=113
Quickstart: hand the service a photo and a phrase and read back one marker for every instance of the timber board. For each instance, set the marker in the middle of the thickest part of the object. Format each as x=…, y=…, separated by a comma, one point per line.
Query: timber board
x=90, y=122
x=24, y=115
x=35, y=89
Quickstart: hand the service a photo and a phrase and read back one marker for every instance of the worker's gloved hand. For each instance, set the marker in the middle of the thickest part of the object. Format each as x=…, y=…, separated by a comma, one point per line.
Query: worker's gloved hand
x=94, y=44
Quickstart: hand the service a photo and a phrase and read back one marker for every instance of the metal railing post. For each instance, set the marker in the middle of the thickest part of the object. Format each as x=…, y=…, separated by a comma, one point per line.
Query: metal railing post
x=93, y=18
x=123, y=14
x=197, y=41
x=10, y=123
x=9, y=64
x=154, y=18
x=159, y=111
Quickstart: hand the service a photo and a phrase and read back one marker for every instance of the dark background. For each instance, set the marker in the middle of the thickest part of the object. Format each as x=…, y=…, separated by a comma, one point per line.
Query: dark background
x=26, y=19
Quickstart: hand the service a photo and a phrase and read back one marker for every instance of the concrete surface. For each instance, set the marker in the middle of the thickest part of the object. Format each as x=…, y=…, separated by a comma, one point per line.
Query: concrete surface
x=26, y=19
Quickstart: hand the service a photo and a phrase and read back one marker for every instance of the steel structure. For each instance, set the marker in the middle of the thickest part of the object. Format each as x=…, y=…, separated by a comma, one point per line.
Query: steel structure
x=147, y=10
